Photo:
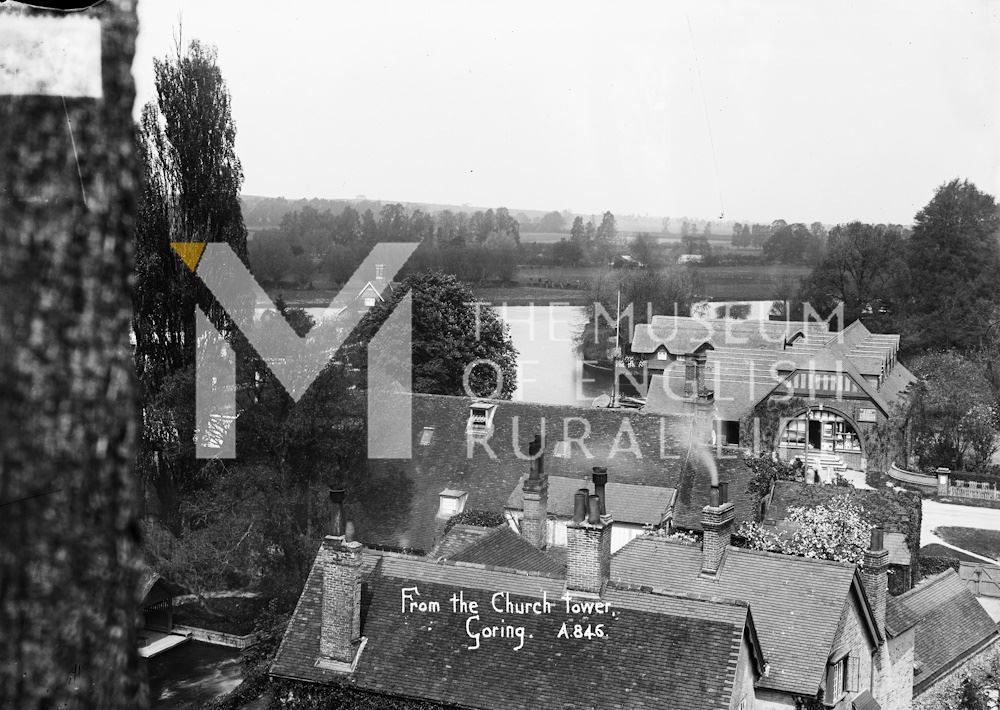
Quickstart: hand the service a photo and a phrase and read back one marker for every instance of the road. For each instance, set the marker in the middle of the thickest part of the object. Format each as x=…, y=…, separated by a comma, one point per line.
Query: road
x=936, y=515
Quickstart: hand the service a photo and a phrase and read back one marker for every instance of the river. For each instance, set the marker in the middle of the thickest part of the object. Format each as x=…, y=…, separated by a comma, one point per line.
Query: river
x=186, y=677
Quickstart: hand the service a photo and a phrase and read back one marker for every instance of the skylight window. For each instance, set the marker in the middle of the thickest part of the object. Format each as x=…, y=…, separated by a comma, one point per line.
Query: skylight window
x=427, y=436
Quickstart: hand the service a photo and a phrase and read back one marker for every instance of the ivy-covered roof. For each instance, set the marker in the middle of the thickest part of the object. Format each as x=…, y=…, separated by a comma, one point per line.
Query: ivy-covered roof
x=400, y=506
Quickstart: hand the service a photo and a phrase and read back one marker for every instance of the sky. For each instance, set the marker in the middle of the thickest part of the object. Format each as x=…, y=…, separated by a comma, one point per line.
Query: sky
x=750, y=110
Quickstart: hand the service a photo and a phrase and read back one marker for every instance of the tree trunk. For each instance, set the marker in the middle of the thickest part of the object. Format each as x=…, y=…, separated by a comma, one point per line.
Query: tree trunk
x=69, y=555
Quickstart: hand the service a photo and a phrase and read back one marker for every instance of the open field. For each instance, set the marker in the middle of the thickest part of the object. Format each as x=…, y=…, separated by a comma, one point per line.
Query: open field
x=570, y=284
x=728, y=283
x=716, y=240
x=749, y=283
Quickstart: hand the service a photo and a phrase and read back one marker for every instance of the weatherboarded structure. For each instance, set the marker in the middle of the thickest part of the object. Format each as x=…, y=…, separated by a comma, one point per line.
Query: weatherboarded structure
x=828, y=390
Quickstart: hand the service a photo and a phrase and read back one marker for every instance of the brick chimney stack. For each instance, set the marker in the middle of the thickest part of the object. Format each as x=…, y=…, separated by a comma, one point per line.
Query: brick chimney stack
x=535, y=494
x=717, y=526
x=588, y=550
x=341, y=608
x=875, y=577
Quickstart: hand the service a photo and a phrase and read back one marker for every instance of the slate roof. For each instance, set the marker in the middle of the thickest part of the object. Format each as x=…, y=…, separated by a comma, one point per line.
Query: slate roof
x=658, y=646
x=504, y=548
x=396, y=506
x=626, y=503
x=680, y=335
x=796, y=601
x=950, y=624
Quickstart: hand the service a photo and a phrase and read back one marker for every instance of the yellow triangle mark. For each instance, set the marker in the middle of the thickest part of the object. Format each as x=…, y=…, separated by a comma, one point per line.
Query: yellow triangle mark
x=189, y=252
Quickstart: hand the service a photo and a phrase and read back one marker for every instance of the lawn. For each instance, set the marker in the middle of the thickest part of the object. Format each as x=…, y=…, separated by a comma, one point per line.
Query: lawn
x=757, y=282
x=982, y=542
x=936, y=550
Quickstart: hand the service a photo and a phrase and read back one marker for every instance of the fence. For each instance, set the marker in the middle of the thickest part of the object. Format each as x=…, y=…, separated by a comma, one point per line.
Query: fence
x=980, y=490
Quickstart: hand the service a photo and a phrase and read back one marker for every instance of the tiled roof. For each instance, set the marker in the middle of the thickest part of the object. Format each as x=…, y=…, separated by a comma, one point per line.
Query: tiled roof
x=899, y=553
x=891, y=511
x=950, y=624
x=681, y=335
x=742, y=375
x=458, y=538
x=626, y=503
x=796, y=601
x=865, y=701
x=505, y=548
x=658, y=647
x=396, y=504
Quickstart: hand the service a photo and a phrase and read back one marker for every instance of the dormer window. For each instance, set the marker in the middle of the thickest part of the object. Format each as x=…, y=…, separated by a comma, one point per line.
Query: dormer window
x=661, y=354
x=451, y=502
x=481, y=418
x=427, y=436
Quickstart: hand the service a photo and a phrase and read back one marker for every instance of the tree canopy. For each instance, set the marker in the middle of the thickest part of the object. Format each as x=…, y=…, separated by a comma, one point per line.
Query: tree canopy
x=953, y=263
x=454, y=338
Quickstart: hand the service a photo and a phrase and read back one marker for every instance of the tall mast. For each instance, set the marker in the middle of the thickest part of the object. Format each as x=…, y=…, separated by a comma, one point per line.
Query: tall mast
x=616, y=351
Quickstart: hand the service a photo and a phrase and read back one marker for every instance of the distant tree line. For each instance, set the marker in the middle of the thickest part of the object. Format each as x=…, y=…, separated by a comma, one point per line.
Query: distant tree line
x=484, y=246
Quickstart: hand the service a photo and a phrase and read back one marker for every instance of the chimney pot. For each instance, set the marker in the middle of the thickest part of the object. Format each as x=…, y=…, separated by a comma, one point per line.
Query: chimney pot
x=600, y=478
x=580, y=505
x=877, y=540
x=723, y=493
x=338, y=524
x=535, y=465
x=594, y=508
x=714, y=497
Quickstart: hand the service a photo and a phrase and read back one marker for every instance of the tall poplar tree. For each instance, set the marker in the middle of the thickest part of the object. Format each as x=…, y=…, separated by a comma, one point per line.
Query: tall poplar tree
x=191, y=193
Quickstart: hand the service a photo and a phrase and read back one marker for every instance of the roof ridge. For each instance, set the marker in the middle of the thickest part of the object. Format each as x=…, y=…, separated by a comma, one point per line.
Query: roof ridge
x=662, y=592
x=924, y=584
x=498, y=568
x=781, y=555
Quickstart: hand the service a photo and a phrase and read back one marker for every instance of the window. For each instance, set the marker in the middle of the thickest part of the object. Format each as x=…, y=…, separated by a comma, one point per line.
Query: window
x=426, y=436
x=840, y=678
x=661, y=354
x=480, y=418
x=451, y=502
x=369, y=301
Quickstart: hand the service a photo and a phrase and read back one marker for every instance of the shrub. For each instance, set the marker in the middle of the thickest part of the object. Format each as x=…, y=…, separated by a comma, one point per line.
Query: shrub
x=483, y=518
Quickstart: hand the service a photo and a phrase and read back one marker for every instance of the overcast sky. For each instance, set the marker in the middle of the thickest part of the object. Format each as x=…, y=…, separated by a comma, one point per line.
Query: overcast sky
x=771, y=109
